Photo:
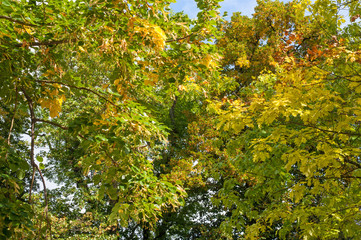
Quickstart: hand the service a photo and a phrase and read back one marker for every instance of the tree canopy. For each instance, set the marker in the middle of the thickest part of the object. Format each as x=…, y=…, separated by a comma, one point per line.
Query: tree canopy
x=157, y=126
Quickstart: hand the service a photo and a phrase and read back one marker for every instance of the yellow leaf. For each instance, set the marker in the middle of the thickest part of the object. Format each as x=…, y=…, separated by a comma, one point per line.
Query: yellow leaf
x=55, y=108
x=54, y=104
x=209, y=62
x=153, y=33
x=356, y=86
x=160, y=32
x=109, y=28
x=82, y=49
x=182, y=88
x=28, y=30
x=116, y=82
x=48, y=73
x=298, y=192
x=243, y=62
x=148, y=82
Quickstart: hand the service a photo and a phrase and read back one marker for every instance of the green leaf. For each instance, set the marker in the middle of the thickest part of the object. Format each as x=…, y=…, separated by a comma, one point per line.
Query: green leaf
x=39, y=159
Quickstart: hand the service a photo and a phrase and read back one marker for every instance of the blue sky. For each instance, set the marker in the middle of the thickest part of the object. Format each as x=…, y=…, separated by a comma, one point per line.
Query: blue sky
x=230, y=6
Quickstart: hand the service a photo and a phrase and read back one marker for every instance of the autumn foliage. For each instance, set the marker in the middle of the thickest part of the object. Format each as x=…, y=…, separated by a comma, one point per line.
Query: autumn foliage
x=153, y=125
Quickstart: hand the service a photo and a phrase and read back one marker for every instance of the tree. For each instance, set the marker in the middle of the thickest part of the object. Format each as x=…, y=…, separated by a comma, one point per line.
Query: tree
x=294, y=134
x=92, y=79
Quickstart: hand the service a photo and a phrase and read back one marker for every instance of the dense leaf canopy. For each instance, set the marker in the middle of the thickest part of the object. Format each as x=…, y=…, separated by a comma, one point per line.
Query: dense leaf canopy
x=153, y=125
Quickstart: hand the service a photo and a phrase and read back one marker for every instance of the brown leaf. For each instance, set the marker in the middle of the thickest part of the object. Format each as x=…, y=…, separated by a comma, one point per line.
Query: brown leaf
x=353, y=18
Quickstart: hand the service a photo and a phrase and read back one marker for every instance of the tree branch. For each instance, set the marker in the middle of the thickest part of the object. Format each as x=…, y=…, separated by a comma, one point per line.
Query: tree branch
x=171, y=111
x=326, y=130
x=50, y=43
x=179, y=39
x=45, y=197
x=79, y=88
x=172, y=137
x=352, y=162
x=52, y=123
x=12, y=123
x=57, y=125
x=13, y=118
x=32, y=184
x=18, y=21
x=32, y=136
x=110, y=157
x=32, y=160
